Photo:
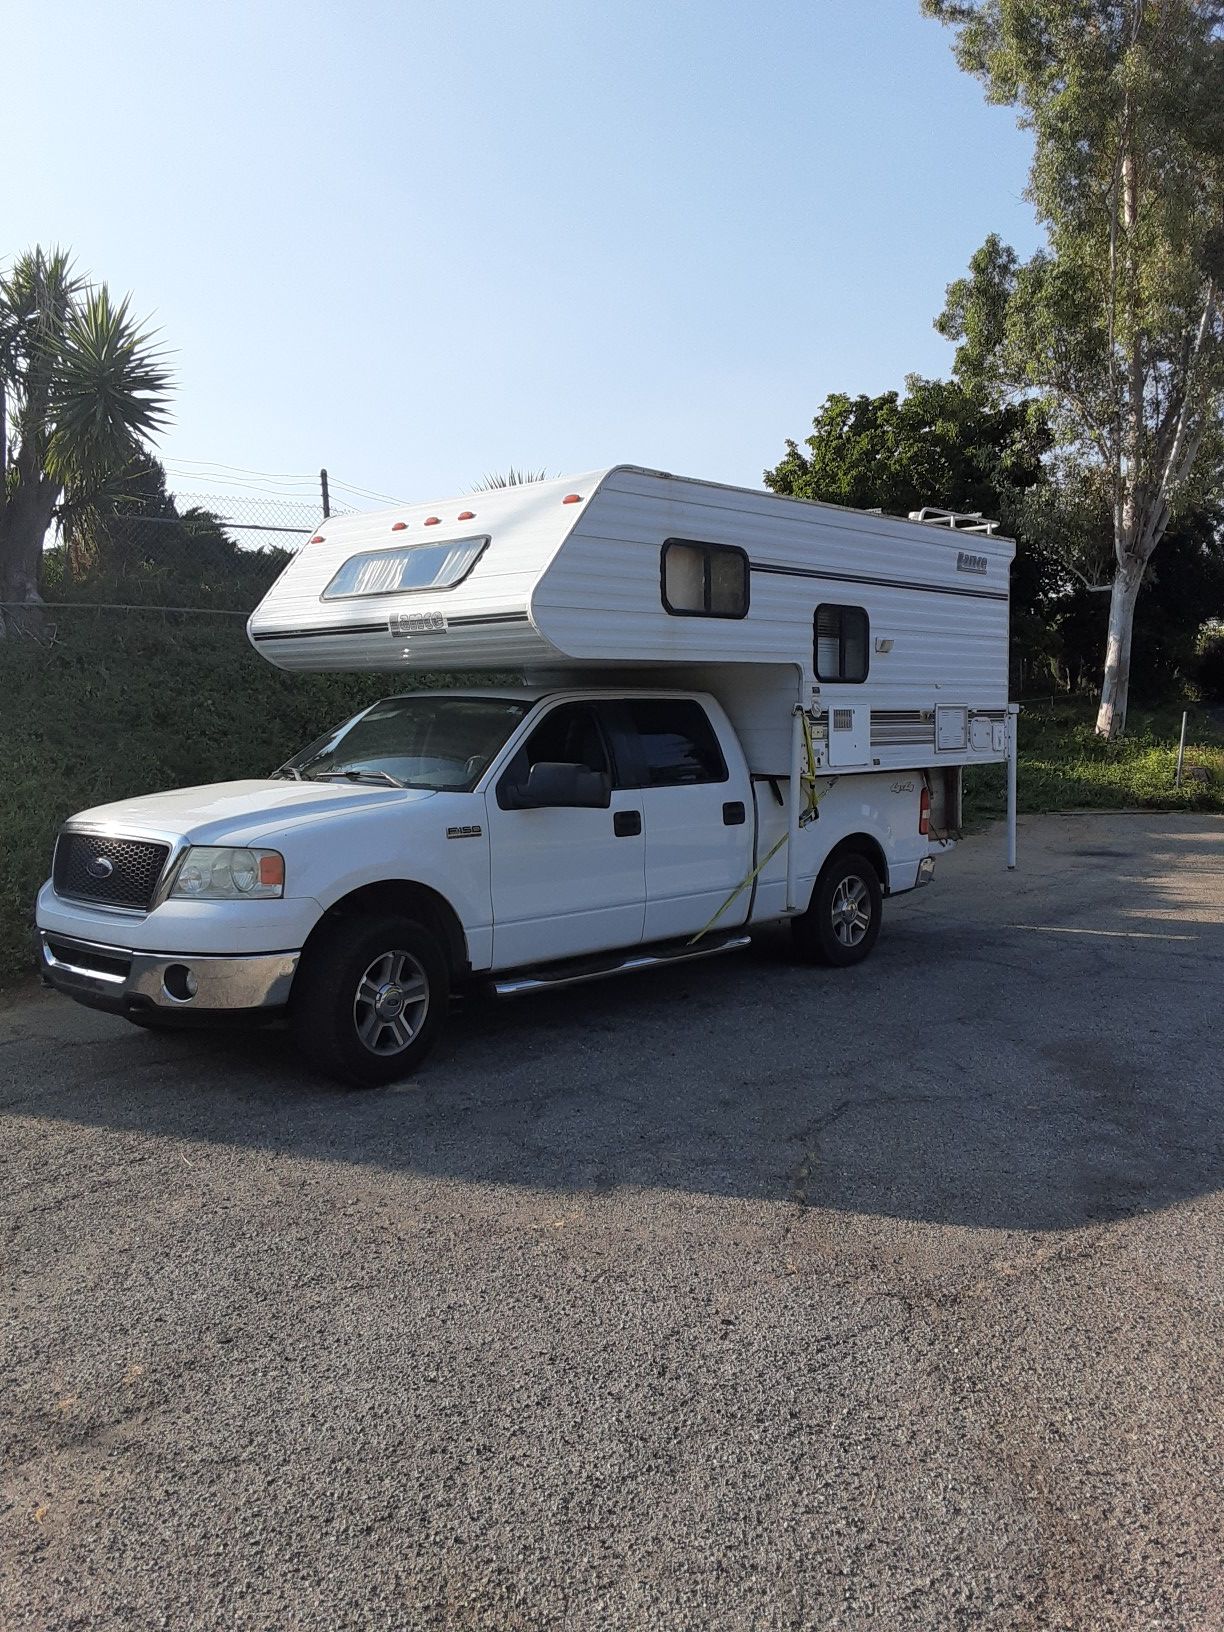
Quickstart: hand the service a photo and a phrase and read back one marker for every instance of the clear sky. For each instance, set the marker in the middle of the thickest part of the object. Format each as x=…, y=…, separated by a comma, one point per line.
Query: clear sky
x=418, y=241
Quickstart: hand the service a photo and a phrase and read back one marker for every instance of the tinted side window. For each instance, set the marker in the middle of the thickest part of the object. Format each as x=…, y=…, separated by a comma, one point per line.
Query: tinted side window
x=569, y=735
x=841, y=643
x=677, y=742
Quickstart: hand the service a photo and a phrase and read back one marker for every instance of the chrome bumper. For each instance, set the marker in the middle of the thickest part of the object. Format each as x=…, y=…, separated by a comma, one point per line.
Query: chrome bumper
x=118, y=979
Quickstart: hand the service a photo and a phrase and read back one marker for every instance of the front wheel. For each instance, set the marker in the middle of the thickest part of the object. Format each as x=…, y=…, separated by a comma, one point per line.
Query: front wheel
x=369, y=999
x=842, y=924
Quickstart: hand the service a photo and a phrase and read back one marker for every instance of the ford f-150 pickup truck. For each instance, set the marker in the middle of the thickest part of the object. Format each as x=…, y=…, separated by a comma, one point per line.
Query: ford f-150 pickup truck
x=522, y=836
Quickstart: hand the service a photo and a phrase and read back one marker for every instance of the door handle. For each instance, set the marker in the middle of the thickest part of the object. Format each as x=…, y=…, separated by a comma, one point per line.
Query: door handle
x=733, y=813
x=627, y=824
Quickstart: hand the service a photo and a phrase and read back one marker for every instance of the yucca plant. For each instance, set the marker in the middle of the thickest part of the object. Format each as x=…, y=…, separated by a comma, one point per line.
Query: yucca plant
x=83, y=386
x=513, y=477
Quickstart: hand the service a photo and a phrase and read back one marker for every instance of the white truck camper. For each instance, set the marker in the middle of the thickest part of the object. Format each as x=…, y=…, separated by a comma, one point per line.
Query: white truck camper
x=706, y=708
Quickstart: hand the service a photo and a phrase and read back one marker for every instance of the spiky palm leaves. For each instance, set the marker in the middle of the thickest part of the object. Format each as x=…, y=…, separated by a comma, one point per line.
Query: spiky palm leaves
x=83, y=385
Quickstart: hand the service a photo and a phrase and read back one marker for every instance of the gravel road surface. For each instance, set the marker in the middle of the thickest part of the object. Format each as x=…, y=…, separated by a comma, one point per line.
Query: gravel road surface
x=740, y=1296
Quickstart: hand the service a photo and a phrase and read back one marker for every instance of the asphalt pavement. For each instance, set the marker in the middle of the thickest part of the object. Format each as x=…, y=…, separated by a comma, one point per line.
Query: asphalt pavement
x=736, y=1296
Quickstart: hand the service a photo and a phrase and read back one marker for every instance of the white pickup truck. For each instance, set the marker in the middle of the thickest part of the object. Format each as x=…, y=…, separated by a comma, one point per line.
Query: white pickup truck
x=523, y=836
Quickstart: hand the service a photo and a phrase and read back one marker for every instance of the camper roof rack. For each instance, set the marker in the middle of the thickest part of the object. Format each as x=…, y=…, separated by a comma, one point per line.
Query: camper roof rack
x=958, y=521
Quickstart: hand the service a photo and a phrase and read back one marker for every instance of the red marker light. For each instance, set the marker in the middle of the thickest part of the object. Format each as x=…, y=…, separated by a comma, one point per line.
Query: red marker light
x=467, y=515
x=317, y=539
x=572, y=498
x=398, y=526
x=432, y=521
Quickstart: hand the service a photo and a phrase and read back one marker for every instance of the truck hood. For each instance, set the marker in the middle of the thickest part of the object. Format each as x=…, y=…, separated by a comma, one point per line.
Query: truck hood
x=242, y=812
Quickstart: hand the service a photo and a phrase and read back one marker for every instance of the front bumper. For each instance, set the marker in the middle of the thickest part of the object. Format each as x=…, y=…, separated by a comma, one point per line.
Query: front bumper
x=121, y=981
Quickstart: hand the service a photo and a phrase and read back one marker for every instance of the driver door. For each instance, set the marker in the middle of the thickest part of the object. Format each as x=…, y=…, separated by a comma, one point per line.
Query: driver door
x=565, y=881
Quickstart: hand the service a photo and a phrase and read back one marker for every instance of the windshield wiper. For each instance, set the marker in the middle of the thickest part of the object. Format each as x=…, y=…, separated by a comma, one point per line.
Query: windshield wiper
x=362, y=776
x=287, y=770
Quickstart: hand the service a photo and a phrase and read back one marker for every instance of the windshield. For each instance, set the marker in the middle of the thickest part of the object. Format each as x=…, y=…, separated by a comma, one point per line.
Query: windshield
x=416, y=742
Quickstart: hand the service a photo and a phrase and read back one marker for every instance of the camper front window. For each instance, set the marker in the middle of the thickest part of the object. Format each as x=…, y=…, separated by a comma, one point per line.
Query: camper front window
x=420, y=741
x=410, y=567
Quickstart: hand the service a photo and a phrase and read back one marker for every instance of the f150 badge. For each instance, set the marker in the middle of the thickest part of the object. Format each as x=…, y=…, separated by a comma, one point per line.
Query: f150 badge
x=417, y=623
x=464, y=832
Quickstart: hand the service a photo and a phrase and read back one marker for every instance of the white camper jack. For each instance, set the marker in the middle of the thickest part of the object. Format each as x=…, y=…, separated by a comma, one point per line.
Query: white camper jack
x=706, y=708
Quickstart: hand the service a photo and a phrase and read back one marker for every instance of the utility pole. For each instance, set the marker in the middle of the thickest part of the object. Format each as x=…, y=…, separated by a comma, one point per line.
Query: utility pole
x=326, y=495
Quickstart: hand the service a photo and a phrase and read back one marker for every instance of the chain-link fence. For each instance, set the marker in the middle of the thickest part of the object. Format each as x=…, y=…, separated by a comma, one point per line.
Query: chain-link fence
x=179, y=554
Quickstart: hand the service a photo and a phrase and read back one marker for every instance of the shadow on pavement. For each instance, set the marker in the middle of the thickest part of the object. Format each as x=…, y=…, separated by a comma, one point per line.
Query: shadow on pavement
x=1037, y=1050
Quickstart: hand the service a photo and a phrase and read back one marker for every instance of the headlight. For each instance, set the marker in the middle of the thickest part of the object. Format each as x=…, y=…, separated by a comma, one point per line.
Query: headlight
x=229, y=875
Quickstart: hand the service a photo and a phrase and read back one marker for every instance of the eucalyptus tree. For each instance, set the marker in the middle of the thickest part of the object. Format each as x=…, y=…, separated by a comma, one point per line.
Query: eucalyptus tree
x=82, y=388
x=1116, y=323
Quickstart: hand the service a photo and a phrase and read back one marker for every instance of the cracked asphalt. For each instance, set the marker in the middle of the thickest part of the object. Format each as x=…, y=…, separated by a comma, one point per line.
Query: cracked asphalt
x=737, y=1296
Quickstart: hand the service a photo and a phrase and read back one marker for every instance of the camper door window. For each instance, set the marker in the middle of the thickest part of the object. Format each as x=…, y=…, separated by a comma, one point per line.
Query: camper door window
x=439, y=565
x=704, y=580
x=842, y=644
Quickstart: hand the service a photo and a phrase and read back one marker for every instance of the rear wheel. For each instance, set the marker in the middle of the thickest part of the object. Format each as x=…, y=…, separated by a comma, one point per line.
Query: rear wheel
x=369, y=999
x=842, y=923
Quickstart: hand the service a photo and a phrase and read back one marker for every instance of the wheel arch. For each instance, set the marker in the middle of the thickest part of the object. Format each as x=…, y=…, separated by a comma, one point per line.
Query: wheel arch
x=414, y=900
x=859, y=844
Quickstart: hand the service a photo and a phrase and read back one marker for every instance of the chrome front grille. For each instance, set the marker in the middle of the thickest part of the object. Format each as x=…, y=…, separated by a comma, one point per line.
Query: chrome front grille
x=109, y=871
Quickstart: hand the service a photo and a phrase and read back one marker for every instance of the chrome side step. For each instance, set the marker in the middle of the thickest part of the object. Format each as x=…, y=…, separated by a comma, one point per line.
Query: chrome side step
x=577, y=972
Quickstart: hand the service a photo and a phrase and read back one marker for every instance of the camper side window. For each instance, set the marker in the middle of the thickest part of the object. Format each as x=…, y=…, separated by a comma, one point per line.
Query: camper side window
x=704, y=580
x=842, y=643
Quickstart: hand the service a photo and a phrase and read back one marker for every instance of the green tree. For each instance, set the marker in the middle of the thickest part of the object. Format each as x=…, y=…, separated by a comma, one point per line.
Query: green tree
x=940, y=445
x=82, y=387
x=141, y=547
x=1116, y=325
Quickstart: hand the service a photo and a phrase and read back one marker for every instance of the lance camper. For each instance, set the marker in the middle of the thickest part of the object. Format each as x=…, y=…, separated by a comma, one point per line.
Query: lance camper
x=683, y=709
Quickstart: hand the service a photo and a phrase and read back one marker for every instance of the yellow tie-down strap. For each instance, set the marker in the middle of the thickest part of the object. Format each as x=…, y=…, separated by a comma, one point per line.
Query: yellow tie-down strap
x=809, y=813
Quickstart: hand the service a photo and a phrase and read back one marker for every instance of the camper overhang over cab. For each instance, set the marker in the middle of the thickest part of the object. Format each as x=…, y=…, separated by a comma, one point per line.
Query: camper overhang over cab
x=891, y=633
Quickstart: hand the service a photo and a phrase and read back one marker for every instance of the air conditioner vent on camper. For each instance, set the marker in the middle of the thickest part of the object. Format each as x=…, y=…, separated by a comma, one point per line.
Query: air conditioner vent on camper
x=843, y=719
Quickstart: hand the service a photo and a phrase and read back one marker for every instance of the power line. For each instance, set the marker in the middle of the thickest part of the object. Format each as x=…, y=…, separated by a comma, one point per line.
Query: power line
x=241, y=476
x=241, y=470
x=365, y=492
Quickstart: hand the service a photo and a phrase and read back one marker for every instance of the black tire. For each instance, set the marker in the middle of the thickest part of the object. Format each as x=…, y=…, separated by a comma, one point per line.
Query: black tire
x=346, y=1018
x=826, y=933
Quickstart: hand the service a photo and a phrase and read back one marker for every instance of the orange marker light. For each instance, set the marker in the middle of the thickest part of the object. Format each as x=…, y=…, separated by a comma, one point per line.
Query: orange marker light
x=572, y=498
x=272, y=870
x=398, y=526
x=467, y=515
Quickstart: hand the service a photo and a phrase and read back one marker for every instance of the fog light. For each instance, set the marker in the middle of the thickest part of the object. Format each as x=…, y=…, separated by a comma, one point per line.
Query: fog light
x=180, y=983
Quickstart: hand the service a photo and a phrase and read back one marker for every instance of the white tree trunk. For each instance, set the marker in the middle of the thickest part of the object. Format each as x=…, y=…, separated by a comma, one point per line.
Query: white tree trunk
x=1115, y=688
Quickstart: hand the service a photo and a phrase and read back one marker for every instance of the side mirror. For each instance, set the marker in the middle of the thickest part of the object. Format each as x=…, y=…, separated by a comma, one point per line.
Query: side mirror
x=551, y=784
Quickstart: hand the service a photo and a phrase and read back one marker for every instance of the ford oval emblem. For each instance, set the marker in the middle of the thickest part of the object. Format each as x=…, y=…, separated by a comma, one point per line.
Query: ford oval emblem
x=99, y=867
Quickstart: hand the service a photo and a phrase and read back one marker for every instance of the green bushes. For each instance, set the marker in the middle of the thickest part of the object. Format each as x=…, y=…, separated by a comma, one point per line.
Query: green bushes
x=1064, y=765
x=128, y=703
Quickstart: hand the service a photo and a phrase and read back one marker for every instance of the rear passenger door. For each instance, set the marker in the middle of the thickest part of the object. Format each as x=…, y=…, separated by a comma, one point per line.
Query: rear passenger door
x=697, y=815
